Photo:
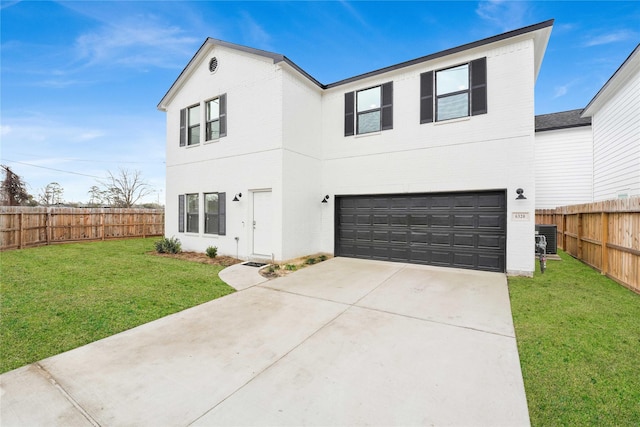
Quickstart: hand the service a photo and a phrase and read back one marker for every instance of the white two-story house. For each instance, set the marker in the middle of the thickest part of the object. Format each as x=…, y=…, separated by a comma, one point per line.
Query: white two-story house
x=429, y=161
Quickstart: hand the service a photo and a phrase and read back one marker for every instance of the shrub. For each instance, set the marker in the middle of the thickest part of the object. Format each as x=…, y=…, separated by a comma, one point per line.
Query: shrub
x=290, y=267
x=322, y=258
x=168, y=246
x=310, y=261
x=212, y=251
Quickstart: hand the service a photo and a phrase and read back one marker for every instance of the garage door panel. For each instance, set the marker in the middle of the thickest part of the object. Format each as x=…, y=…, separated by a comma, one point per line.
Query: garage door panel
x=466, y=230
x=466, y=202
x=399, y=220
x=495, y=221
x=464, y=260
x=464, y=240
x=380, y=220
x=363, y=219
x=491, y=201
x=440, y=220
x=381, y=236
x=440, y=239
x=486, y=241
x=464, y=221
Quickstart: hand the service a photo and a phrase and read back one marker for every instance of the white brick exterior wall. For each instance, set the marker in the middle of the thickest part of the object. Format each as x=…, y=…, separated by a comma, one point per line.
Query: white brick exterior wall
x=286, y=134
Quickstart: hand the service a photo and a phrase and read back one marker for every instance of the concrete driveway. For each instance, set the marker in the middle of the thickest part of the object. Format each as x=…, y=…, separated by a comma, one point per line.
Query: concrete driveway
x=344, y=342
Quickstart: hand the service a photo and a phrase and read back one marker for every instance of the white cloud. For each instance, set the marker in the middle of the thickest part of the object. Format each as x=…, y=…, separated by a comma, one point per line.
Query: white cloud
x=559, y=91
x=5, y=130
x=138, y=42
x=253, y=32
x=613, y=37
x=506, y=15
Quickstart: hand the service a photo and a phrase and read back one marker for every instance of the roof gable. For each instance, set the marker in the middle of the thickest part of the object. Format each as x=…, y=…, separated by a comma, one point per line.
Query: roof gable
x=628, y=68
x=541, y=33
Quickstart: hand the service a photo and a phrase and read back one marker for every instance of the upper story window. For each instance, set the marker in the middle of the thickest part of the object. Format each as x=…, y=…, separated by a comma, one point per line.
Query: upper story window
x=368, y=110
x=369, y=114
x=215, y=117
x=454, y=92
x=194, y=125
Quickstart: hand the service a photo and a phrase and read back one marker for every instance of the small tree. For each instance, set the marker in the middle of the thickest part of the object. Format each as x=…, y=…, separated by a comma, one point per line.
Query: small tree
x=14, y=189
x=124, y=188
x=51, y=194
x=95, y=196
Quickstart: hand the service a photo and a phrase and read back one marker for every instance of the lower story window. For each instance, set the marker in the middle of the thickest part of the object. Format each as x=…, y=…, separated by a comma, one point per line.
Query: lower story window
x=211, y=213
x=192, y=213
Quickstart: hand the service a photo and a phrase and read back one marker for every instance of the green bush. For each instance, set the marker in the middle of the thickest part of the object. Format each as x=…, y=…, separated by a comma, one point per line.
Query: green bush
x=212, y=251
x=290, y=267
x=310, y=261
x=322, y=258
x=168, y=245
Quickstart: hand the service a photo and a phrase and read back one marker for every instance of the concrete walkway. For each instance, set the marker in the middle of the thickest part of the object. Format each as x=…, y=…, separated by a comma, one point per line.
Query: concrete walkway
x=344, y=342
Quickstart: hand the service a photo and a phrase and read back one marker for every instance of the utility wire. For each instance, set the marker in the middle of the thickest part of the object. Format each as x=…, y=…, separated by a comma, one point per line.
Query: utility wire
x=53, y=169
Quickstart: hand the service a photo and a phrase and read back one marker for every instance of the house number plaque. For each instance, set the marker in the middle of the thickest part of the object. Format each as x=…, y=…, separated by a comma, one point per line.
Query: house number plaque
x=520, y=216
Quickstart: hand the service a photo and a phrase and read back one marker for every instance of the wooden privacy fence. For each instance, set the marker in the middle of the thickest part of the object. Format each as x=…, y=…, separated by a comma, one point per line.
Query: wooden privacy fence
x=22, y=226
x=605, y=235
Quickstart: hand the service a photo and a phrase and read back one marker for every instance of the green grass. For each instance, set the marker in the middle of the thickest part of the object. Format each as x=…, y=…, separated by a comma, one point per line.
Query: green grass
x=578, y=336
x=56, y=298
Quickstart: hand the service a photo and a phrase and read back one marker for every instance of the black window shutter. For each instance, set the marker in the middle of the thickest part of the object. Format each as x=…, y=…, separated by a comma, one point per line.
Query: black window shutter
x=183, y=127
x=223, y=115
x=478, y=86
x=387, y=106
x=426, y=97
x=181, y=213
x=349, y=107
x=222, y=214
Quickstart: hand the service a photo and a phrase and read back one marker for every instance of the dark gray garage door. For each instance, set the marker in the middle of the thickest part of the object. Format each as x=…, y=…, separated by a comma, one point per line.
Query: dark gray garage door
x=462, y=230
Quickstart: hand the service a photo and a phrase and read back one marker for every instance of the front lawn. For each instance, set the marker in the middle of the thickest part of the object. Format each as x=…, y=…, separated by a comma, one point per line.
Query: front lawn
x=56, y=298
x=578, y=336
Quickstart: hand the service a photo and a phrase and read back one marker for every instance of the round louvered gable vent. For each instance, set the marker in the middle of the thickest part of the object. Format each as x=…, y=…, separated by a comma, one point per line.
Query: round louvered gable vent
x=213, y=64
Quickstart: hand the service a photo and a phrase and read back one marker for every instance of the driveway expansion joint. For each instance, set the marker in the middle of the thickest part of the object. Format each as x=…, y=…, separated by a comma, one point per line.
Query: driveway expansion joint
x=50, y=378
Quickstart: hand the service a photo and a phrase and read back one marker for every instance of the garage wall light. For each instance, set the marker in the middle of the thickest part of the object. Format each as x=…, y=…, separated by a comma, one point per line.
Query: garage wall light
x=520, y=192
x=237, y=197
x=324, y=200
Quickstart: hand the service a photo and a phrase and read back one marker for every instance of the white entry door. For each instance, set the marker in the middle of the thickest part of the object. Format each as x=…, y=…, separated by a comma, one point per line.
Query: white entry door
x=262, y=215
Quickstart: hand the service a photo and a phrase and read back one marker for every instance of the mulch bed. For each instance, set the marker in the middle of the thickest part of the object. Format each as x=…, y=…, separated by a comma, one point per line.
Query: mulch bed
x=202, y=258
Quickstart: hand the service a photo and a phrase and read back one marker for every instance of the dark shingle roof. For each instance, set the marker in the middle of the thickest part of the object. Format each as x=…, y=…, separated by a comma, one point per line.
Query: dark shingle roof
x=562, y=120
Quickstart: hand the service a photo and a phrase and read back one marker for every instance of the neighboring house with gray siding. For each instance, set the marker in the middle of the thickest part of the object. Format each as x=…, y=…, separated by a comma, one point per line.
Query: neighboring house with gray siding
x=417, y=162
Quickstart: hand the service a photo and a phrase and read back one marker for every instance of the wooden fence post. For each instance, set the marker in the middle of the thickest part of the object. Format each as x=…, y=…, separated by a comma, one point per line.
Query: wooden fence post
x=21, y=231
x=47, y=226
x=605, y=240
x=579, y=233
x=564, y=231
x=102, y=224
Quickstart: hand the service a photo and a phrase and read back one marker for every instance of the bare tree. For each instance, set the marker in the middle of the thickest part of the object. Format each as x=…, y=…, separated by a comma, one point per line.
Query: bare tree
x=124, y=188
x=14, y=189
x=51, y=194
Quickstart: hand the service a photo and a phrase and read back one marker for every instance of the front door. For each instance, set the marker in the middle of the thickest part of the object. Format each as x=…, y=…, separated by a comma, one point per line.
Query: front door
x=262, y=231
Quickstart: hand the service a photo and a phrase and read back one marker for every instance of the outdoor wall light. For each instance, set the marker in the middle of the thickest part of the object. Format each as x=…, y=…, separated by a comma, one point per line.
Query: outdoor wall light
x=237, y=197
x=520, y=192
x=324, y=200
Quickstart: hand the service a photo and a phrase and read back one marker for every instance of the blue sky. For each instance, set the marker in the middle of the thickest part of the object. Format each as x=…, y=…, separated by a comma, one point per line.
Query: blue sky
x=80, y=80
